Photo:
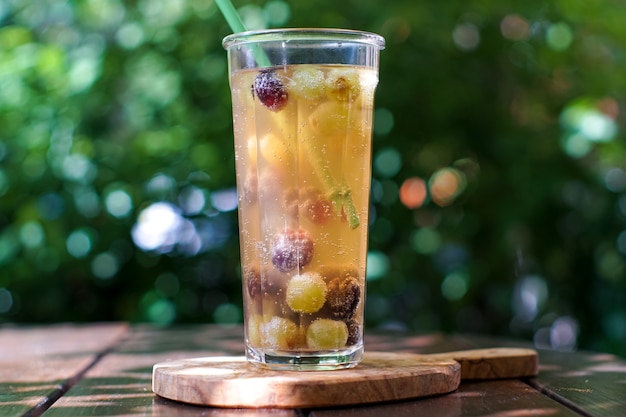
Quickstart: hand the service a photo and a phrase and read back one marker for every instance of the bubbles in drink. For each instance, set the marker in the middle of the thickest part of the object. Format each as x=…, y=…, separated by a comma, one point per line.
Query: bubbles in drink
x=279, y=333
x=304, y=172
x=325, y=334
x=343, y=297
x=306, y=293
x=309, y=202
x=343, y=84
x=308, y=81
x=292, y=249
x=270, y=90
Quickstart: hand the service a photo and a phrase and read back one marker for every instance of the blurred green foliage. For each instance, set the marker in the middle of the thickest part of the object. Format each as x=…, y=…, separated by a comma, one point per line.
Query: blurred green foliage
x=499, y=189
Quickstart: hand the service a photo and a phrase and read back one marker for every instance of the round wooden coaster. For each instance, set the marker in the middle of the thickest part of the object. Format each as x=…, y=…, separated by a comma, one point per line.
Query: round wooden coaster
x=233, y=382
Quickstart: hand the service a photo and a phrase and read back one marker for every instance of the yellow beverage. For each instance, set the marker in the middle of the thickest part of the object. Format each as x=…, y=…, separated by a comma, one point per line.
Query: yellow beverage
x=303, y=174
x=303, y=157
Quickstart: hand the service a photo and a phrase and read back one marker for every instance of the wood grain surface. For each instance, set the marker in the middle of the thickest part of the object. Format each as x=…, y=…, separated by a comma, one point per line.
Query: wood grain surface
x=477, y=398
x=117, y=384
x=494, y=363
x=381, y=377
x=39, y=364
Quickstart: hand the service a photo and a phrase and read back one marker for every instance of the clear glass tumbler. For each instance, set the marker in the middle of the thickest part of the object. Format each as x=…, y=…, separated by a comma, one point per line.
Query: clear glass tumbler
x=302, y=114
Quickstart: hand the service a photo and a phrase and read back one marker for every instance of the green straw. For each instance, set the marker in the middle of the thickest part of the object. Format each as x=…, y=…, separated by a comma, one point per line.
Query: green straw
x=230, y=14
x=236, y=24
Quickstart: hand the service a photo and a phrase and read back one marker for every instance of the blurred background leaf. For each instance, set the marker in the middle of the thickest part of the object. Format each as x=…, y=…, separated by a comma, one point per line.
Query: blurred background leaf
x=499, y=189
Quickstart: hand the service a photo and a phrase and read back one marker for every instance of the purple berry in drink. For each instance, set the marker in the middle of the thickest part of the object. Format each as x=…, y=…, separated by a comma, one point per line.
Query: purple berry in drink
x=292, y=249
x=270, y=90
x=343, y=297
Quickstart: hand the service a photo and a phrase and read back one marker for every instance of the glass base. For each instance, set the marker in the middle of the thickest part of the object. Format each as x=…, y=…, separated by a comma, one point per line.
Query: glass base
x=305, y=361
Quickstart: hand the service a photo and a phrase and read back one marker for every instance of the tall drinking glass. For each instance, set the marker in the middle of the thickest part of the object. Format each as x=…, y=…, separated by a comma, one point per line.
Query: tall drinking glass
x=302, y=115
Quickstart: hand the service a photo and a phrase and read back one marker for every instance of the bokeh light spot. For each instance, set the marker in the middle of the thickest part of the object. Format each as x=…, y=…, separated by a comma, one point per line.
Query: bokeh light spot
x=446, y=185
x=515, y=27
x=157, y=309
x=559, y=36
x=203, y=8
x=163, y=13
x=597, y=126
x=582, y=117
x=224, y=200
x=576, y=145
x=564, y=333
x=85, y=68
x=161, y=228
x=413, y=192
x=79, y=168
x=191, y=200
x=119, y=204
x=104, y=14
x=104, y=265
x=426, y=240
x=157, y=226
x=32, y=234
x=466, y=36
x=388, y=162
x=253, y=16
x=454, y=286
x=78, y=243
x=277, y=12
x=152, y=79
x=377, y=265
x=529, y=296
x=161, y=312
x=130, y=35
x=160, y=185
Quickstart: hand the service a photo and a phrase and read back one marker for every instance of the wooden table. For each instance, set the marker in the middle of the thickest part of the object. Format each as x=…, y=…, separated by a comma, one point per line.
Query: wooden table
x=105, y=370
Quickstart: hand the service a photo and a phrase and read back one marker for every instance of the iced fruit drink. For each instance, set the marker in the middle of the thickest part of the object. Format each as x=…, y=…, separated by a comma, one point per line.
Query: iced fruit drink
x=303, y=156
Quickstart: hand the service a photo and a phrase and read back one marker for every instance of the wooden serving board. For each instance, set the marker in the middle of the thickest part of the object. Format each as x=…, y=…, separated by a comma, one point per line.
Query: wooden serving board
x=233, y=382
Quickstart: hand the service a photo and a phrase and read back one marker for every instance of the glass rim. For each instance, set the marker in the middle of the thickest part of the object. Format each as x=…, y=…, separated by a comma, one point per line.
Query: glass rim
x=303, y=34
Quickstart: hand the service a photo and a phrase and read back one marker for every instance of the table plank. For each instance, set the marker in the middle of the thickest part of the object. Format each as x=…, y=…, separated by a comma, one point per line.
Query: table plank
x=120, y=383
x=594, y=384
x=505, y=398
x=39, y=364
